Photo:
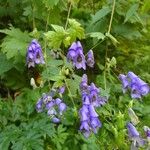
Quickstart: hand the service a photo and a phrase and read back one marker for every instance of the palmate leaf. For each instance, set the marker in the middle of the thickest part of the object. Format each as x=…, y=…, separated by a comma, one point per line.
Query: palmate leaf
x=15, y=42
x=75, y=30
x=60, y=137
x=5, y=64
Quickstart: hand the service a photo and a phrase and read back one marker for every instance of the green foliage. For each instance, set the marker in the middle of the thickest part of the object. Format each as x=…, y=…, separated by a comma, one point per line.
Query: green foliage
x=62, y=36
x=124, y=48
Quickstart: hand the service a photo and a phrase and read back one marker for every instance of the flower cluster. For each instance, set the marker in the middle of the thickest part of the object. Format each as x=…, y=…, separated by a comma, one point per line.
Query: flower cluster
x=54, y=107
x=133, y=83
x=34, y=54
x=90, y=100
x=76, y=56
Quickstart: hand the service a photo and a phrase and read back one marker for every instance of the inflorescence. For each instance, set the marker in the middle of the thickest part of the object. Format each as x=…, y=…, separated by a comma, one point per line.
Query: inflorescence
x=34, y=54
x=76, y=56
x=90, y=99
x=133, y=83
x=54, y=106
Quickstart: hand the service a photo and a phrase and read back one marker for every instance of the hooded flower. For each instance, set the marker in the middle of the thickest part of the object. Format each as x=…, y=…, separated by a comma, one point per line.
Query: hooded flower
x=137, y=86
x=61, y=90
x=39, y=105
x=62, y=107
x=95, y=124
x=84, y=83
x=134, y=136
x=125, y=82
x=147, y=132
x=54, y=107
x=75, y=54
x=85, y=128
x=34, y=54
x=90, y=59
x=84, y=113
x=133, y=133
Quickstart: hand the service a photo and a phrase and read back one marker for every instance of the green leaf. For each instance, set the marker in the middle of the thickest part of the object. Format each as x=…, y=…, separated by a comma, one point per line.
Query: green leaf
x=131, y=12
x=50, y=3
x=15, y=42
x=75, y=30
x=97, y=35
x=5, y=64
x=100, y=14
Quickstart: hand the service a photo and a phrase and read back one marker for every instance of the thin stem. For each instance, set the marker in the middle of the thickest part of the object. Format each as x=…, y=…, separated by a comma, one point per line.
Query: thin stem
x=70, y=94
x=109, y=28
x=105, y=82
x=97, y=43
x=68, y=15
x=45, y=47
x=111, y=18
x=33, y=19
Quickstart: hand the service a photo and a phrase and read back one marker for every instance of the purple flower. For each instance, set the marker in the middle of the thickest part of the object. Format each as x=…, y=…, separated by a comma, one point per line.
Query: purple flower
x=39, y=105
x=90, y=59
x=34, y=54
x=61, y=90
x=52, y=112
x=125, y=82
x=72, y=52
x=85, y=99
x=79, y=60
x=84, y=113
x=135, y=136
x=92, y=111
x=85, y=128
x=55, y=120
x=84, y=83
x=50, y=104
x=95, y=124
x=147, y=132
x=62, y=107
x=58, y=101
x=94, y=94
x=137, y=86
x=133, y=133
x=75, y=54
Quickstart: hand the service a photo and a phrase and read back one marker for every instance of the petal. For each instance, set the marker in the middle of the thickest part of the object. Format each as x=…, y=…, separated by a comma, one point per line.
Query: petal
x=92, y=111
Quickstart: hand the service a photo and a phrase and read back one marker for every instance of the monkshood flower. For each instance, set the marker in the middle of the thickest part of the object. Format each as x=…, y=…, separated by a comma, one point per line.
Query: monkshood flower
x=61, y=89
x=75, y=54
x=89, y=120
x=125, y=82
x=39, y=105
x=84, y=83
x=147, y=132
x=134, y=136
x=90, y=59
x=34, y=54
x=54, y=107
x=133, y=83
x=138, y=87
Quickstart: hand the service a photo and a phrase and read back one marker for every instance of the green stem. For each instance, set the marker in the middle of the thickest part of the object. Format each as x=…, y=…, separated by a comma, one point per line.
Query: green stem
x=33, y=19
x=97, y=43
x=68, y=15
x=109, y=28
x=105, y=82
x=112, y=14
x=70, y=94
x=45, y=47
